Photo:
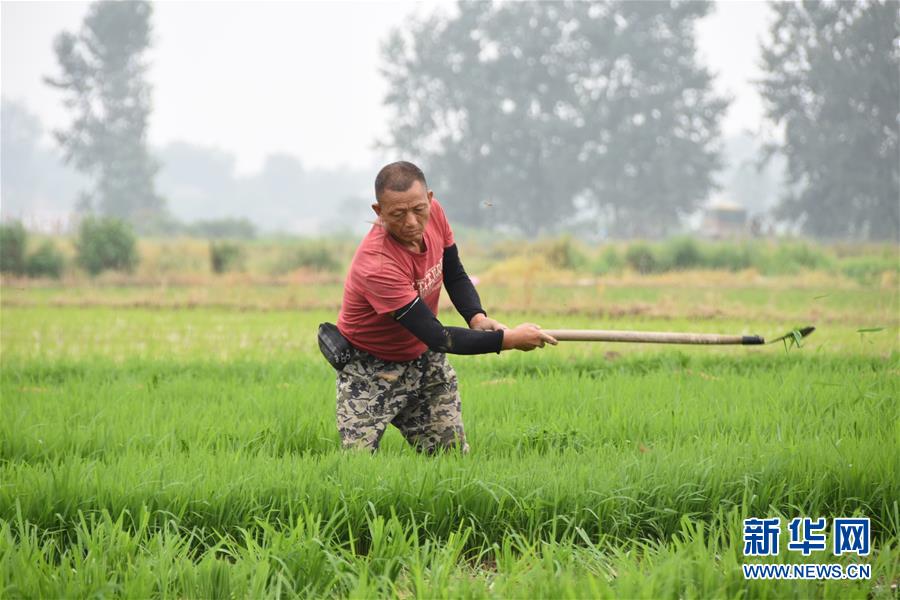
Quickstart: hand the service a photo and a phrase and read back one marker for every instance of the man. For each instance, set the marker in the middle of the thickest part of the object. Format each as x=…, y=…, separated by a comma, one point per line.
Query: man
x=398, y=373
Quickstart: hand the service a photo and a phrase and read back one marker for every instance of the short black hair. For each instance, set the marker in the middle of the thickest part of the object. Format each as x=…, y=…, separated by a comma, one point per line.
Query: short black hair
x=398, y=177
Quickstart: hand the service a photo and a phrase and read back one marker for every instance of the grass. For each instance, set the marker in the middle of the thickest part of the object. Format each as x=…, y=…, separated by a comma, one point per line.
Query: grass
x=150, y=452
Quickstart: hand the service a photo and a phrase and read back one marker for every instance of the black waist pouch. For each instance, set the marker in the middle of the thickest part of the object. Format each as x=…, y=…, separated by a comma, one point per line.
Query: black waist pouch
x=334, y=346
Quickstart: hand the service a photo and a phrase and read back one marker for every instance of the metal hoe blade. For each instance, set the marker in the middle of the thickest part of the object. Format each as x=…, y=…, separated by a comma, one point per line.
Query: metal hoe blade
x=803, y=332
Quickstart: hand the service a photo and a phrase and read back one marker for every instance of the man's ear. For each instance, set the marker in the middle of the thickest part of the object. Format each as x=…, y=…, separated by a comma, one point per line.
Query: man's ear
x=430, y=195
x=377, y=208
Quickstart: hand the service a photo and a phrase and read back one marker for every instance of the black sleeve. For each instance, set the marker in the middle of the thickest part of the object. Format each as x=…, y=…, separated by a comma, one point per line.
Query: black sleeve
x=418, y=319
x=459, y=287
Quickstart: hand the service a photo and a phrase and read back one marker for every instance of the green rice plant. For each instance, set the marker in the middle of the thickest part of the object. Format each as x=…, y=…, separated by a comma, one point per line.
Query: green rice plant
x=700, y=560
x=149, y=452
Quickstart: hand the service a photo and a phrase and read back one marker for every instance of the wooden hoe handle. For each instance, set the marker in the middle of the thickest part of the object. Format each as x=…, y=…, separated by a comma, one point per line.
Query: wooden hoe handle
x=651, y=337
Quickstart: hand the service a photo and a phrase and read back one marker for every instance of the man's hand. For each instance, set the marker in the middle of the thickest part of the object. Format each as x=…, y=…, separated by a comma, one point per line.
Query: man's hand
x=483, y=323
x=525, y=337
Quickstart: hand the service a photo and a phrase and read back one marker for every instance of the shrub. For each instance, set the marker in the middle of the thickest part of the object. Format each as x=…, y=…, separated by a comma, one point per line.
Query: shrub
x=502, y=249
x=225, y=256
x=563, y=253
x=607, y=262
x=106, y=244
x=532, y=268
x=13, y=238
x=315, y=255
x=793, y=257
x=640, y=258
x=732, y=257
x=46, y=261
x=680, y=254
x=868, y=269
x=318, y=257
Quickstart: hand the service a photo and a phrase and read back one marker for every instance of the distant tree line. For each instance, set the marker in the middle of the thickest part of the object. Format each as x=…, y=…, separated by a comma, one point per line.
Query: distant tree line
x=203, y=192
x=540, y=116
x=202, y=183
x=539, y=109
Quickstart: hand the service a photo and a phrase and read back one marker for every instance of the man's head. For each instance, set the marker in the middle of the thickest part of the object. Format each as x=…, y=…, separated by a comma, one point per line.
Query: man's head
x=403, y=201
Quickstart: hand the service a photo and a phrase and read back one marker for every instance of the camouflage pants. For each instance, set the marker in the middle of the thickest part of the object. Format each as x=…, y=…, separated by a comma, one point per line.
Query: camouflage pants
x=419, y=397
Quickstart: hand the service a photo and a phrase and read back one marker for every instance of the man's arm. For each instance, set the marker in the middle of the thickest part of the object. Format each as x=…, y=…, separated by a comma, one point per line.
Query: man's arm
x=421, y=322
x=463, y=294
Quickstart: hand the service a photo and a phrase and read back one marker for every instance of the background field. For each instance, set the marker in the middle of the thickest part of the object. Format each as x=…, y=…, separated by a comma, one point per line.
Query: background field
x=179, y=439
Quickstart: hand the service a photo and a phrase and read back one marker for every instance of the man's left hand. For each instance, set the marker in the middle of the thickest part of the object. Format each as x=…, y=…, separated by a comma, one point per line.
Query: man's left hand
x=484, y=323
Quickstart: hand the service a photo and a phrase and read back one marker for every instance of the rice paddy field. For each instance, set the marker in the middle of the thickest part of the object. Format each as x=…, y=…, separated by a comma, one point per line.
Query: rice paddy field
x=180, y=441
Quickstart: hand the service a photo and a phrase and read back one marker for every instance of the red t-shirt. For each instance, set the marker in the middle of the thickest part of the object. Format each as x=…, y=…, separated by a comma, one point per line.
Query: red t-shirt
x=385, y=276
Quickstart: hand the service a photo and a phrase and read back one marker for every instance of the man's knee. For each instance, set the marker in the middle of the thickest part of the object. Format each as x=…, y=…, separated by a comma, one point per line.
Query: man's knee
x=359, y=446
x=441, y=441
x=357, y=428
x=444, y=449
x=360, y=410
x=360, y=438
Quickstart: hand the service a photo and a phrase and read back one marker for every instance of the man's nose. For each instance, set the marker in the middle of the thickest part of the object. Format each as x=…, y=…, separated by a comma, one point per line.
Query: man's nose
x=410, y=219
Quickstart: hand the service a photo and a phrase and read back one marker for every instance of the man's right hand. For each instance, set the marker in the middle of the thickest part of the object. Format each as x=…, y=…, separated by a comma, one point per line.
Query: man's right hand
x=525, y=337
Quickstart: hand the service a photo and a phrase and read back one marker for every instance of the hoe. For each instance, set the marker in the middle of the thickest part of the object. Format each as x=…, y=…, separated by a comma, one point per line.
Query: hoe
x=665, y=337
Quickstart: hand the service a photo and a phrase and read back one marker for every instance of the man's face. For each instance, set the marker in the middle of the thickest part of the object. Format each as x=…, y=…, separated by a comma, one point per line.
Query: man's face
x=405, y=214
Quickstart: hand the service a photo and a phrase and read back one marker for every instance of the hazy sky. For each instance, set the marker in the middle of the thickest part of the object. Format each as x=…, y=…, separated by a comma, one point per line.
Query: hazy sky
x=302, y=77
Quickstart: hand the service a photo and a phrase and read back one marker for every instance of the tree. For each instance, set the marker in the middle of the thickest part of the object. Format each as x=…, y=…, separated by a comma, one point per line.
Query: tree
x=831, y=81
x=103, y=77
x=522, y=112
x=656, y=147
